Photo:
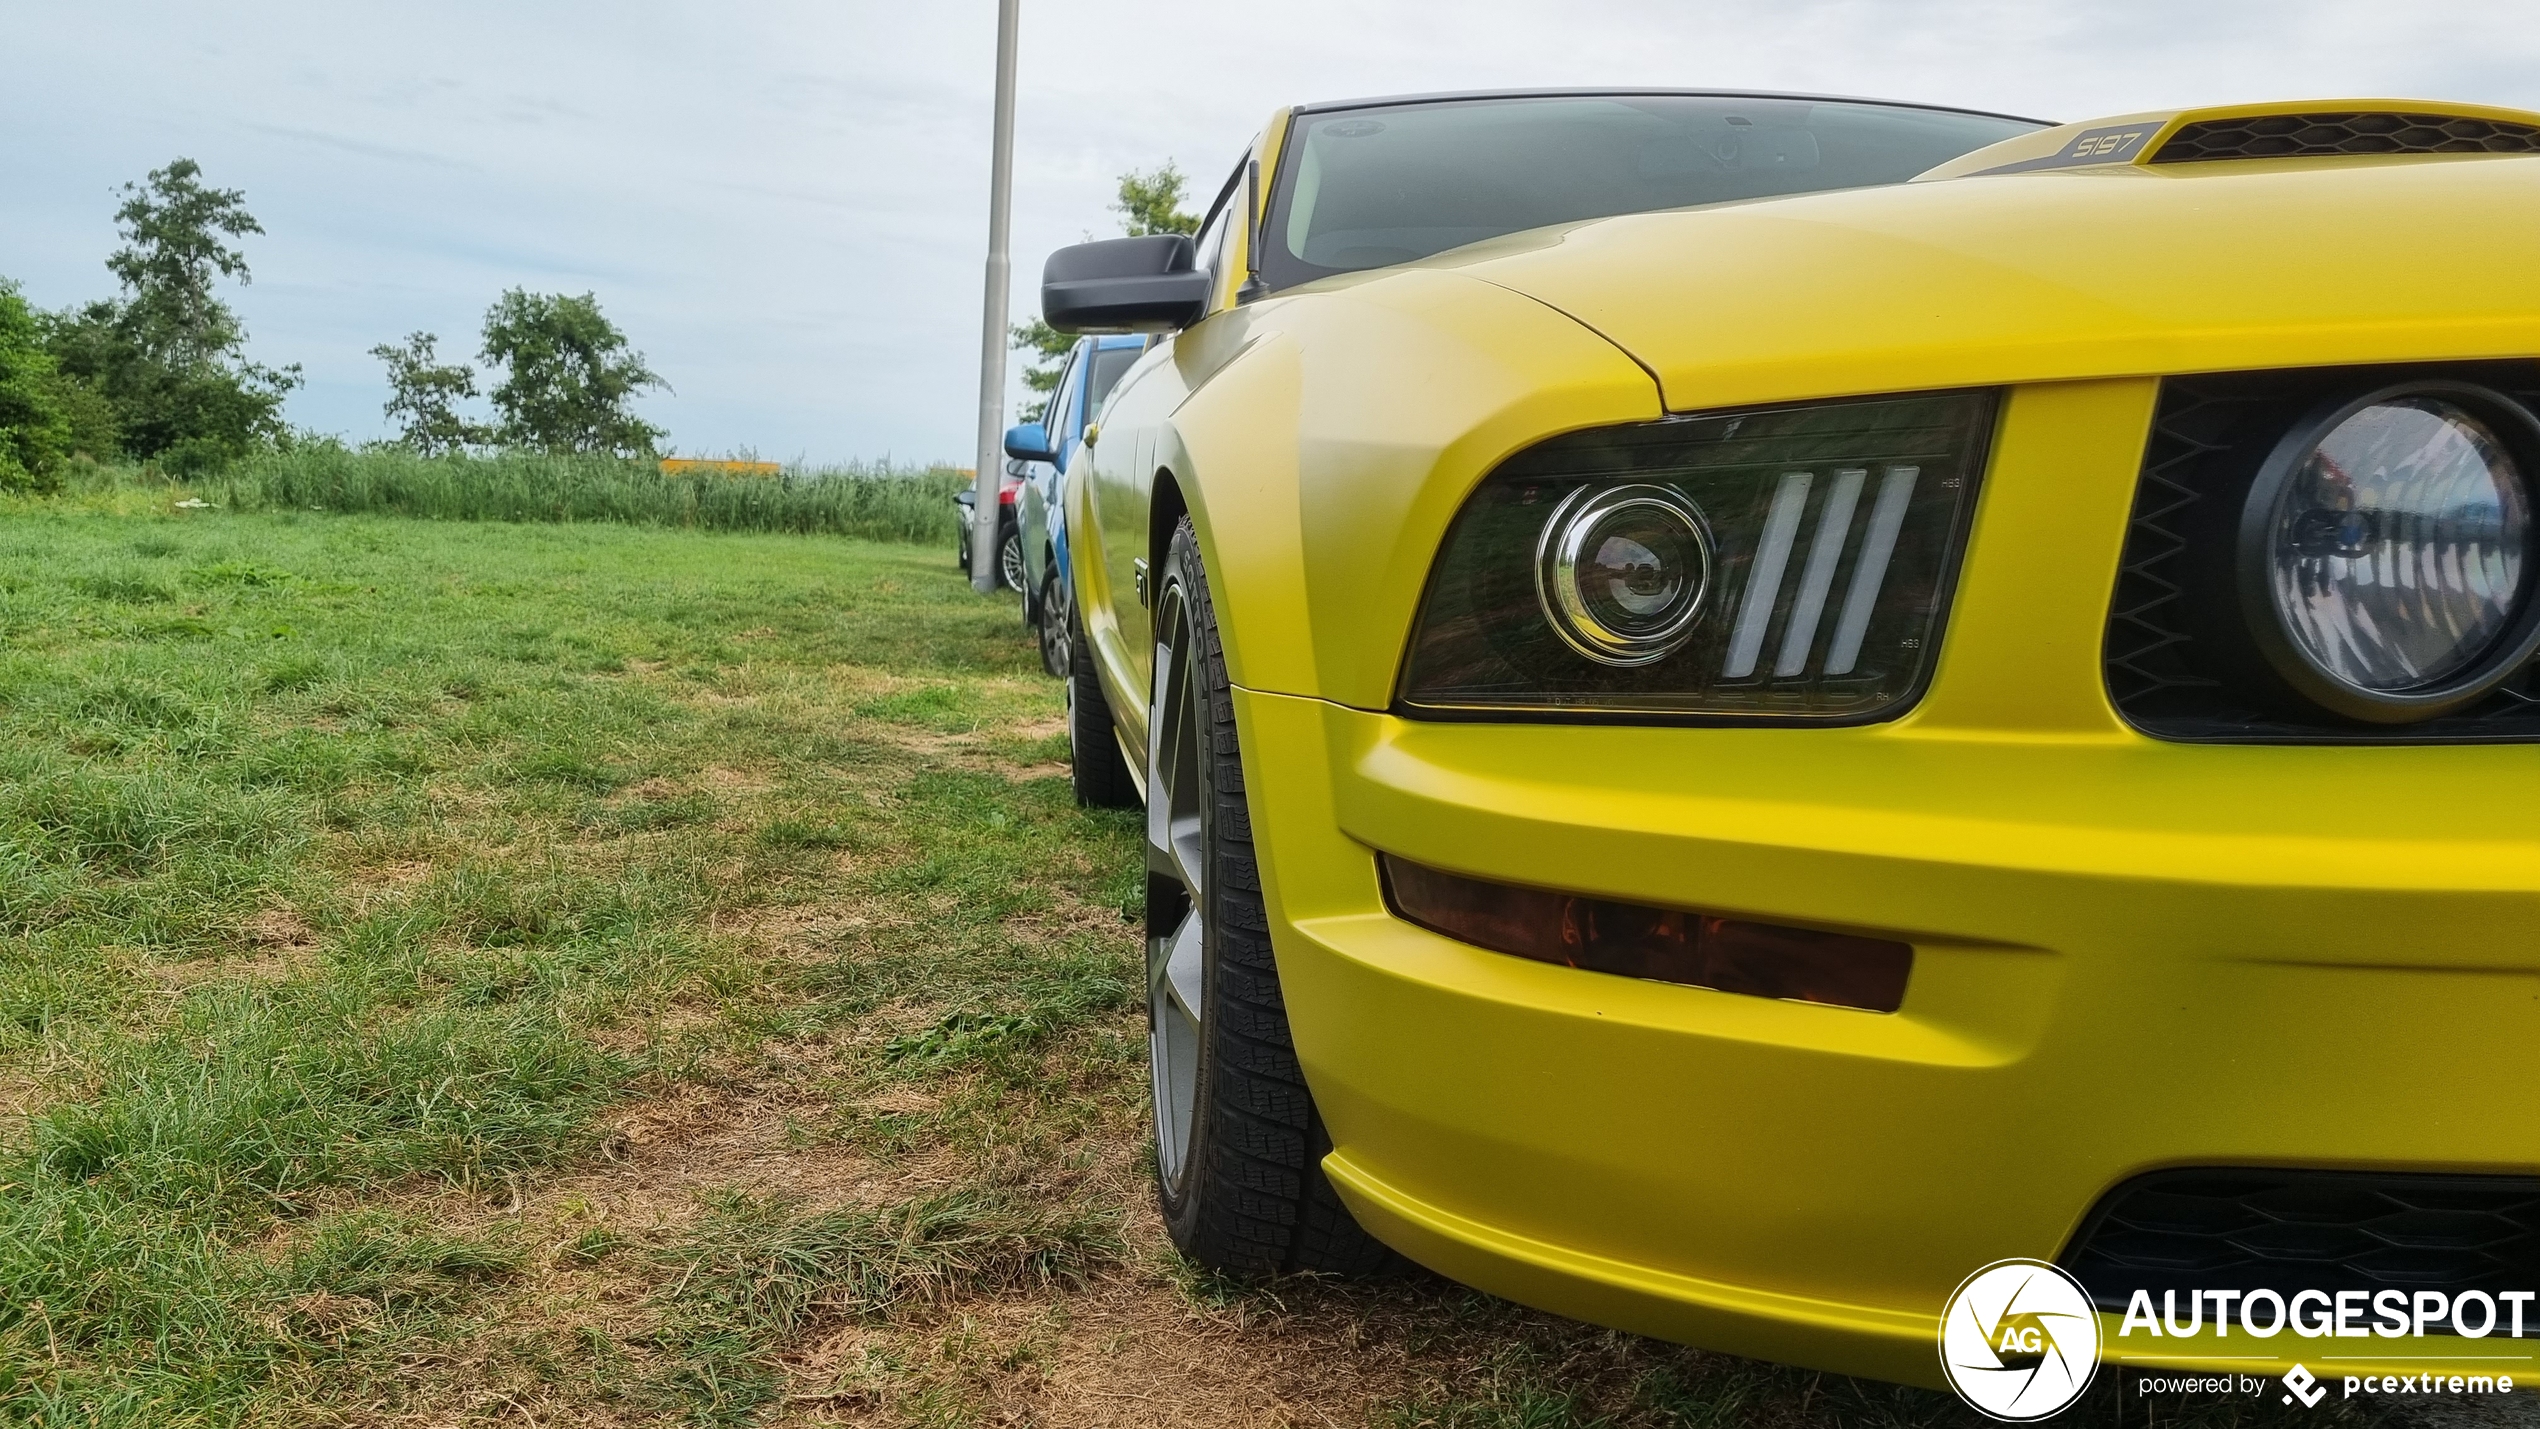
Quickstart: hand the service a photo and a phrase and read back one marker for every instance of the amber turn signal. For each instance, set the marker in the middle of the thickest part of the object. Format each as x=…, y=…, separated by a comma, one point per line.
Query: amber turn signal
x=1664, y=944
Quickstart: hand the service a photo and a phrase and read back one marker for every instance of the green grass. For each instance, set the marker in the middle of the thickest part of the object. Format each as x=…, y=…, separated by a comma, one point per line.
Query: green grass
x=214, y=727
x=601, y=973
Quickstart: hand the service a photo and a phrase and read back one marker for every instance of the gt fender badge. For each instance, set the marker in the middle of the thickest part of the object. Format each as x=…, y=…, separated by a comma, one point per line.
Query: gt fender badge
x=2019, y=1340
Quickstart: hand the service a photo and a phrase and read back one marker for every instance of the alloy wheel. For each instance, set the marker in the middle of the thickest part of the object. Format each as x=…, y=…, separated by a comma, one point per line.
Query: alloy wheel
x=1177, y=855
x=1010, y=563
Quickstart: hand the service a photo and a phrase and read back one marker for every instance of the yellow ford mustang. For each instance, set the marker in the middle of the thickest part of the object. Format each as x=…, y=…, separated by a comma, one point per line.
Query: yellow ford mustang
x=1747, y=704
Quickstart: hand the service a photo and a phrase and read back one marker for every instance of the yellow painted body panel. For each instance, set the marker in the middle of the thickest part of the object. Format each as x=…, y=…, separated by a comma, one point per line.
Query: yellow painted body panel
x=1357, y=495
x=2130, y=954
x=2094, y=272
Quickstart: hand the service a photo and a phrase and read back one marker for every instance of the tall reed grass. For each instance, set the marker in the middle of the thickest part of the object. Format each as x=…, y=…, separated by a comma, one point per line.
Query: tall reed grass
x=878, y=501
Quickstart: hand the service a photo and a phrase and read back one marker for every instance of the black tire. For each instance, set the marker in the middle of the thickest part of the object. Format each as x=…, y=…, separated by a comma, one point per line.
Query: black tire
x=1101, y=775
x=1250, y=1196
x=1050, y=620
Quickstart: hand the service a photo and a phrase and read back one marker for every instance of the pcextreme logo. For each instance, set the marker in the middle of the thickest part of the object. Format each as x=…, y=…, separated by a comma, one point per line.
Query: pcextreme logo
x=2305, y=1386
x=2019, y=1340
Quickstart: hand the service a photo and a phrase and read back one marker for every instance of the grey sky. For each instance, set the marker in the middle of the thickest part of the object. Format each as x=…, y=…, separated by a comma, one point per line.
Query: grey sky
x=783, y=202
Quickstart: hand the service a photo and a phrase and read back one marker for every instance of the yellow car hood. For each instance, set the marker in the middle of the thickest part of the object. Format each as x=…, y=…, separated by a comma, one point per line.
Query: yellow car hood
x=2074, y=272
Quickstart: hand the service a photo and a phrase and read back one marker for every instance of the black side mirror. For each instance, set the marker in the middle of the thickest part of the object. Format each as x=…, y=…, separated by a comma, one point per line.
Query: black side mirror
x=1124, y=285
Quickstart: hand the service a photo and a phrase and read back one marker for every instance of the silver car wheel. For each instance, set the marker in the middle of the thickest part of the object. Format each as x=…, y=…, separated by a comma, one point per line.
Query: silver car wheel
x=1010, y=563
x=1177, y=854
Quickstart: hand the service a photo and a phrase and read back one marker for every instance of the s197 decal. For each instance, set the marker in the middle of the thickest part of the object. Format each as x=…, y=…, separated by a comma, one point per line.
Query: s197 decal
x=2113, y=144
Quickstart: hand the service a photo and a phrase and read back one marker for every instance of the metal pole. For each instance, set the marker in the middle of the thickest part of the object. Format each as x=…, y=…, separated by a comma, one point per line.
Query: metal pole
x=986, y=517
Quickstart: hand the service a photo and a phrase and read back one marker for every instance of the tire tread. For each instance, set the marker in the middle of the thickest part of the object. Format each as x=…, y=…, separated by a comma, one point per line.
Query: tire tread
x=1258, y=1201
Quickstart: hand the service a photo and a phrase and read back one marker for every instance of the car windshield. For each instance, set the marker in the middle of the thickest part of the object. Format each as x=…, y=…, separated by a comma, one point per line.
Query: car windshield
x=1365, y=188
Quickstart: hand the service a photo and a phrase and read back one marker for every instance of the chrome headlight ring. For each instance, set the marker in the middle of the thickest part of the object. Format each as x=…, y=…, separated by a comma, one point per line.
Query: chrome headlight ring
x=1622, y=571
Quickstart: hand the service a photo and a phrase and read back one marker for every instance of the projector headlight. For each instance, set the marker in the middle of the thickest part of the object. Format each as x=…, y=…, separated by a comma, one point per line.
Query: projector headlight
x=2385, y=551
x=1781, y=564
x=1621, y=572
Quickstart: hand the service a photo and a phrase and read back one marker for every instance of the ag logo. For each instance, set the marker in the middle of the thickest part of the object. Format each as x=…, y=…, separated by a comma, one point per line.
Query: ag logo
x=2019, y=1340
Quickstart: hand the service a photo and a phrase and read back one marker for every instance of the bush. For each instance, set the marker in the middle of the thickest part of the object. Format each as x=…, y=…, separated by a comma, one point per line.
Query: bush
x=35, y=433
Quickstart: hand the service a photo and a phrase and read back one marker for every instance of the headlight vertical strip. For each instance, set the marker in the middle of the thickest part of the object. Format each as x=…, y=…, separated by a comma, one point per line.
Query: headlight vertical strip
x=1877, y=549
x=1800, y=636
x=1763, y=591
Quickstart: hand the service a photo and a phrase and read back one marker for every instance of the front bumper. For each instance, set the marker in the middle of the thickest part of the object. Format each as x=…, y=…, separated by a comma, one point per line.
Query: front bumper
x=2129, y=955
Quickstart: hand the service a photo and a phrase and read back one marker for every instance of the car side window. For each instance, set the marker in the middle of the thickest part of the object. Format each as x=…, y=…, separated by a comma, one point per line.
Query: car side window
x=1104, y=366
x=1063, y=418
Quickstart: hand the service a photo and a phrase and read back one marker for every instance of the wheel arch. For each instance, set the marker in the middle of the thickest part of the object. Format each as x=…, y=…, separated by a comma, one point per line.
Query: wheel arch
x=1227, y=458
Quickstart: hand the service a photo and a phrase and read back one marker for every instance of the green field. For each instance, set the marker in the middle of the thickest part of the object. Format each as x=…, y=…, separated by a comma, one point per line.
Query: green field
x=603, y=974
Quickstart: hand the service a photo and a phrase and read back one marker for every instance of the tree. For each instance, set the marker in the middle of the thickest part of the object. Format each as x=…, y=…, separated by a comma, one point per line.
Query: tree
x=1049, y=348
x=165, y=359
x=35, y=433
x=173, y=228
x=423, y=397
x=569, y=377
x=1149, y=203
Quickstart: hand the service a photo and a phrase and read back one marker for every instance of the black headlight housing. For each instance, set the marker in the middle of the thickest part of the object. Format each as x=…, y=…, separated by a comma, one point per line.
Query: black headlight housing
x=1772, y=565
x=2335, y=556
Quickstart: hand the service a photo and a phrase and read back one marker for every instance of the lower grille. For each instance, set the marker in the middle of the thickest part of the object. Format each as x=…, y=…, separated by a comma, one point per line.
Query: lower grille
x=2290, y=1231
x=2305, y=136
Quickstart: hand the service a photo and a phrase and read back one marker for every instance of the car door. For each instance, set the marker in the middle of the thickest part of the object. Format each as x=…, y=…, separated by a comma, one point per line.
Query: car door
x=1122, y=489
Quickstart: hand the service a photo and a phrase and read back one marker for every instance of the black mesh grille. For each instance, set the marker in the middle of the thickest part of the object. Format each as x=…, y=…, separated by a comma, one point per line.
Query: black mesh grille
x=2289, y=1231
x=2302, y=136
x=2172, y=682
x=2148, y=659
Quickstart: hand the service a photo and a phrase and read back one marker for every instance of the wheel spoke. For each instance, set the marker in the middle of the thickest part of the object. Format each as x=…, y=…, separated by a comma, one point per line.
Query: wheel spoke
x=1176, y=974
x=1174, y=838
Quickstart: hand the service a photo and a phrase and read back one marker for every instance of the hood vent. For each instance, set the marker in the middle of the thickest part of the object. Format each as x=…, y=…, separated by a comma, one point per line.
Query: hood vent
x=2310, y=136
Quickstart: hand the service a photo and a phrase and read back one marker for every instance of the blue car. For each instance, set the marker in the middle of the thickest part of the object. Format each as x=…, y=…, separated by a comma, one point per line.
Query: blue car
x=1045, y=447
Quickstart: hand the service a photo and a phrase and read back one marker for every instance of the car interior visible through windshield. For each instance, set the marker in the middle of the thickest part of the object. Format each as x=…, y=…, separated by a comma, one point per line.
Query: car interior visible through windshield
x=1385, y=184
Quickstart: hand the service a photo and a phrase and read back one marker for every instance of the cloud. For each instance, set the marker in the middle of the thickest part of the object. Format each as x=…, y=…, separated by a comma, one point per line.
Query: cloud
x=783, y=201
